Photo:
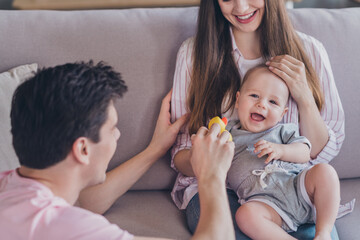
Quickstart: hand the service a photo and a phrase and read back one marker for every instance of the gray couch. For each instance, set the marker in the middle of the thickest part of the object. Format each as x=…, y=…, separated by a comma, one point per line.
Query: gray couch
x=142, y=45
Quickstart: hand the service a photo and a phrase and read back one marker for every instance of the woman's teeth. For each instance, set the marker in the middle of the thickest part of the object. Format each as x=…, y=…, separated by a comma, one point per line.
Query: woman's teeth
x=246, y=16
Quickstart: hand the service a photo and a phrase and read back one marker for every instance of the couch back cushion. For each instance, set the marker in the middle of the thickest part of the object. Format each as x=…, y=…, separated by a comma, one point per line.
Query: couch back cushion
x=142, y=44
x=338, y=30
x=9, y=80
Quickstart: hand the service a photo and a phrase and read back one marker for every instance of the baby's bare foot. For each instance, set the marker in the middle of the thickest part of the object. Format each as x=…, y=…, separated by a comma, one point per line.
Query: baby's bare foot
x=324, y=235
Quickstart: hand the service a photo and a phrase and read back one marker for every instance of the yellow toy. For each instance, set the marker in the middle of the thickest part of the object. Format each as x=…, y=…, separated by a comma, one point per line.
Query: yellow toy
x=222, y=122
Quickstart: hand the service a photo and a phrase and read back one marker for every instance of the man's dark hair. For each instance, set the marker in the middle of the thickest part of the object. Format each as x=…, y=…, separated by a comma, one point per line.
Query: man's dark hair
x=58, y=105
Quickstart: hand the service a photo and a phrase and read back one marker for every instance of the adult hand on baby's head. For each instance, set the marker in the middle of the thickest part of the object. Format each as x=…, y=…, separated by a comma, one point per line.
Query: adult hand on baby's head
x=211, y=153
x=292, y=71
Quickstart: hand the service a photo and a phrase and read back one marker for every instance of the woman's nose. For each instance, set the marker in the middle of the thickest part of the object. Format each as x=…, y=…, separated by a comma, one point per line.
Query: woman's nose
x=241, y=6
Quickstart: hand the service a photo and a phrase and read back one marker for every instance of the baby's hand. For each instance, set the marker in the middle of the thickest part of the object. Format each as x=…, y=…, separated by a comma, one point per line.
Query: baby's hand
x=273, y=150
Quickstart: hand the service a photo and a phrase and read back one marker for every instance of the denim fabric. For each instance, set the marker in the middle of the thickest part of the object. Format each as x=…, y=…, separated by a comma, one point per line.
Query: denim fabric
x=304, y=232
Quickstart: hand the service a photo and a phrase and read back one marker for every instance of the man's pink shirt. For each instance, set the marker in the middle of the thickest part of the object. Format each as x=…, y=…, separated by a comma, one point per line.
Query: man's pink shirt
x=29, y=210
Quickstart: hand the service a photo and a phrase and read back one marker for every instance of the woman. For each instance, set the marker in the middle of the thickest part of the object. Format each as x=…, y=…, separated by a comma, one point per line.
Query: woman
x=233, y=36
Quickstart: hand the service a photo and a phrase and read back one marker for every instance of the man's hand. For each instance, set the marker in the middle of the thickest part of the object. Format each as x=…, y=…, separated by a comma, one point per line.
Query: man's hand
x=165, y=133
x=211, y=154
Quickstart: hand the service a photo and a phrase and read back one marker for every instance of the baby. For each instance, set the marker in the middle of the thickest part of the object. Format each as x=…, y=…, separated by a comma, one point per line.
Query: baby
x=277, y=189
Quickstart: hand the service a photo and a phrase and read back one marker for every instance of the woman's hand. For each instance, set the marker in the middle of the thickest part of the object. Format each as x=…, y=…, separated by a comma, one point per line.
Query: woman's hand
x=312, y=126
x=165, y=132
x=292, y=71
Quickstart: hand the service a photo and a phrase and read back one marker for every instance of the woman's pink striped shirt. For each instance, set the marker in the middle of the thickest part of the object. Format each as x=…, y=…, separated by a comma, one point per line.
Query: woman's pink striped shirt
x=332, y=113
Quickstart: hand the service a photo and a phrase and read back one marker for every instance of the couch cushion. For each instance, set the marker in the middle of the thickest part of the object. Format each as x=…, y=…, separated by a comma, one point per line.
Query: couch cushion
x=152, y=213
x=149, y=213
x=9, y=80
x=347, y=226
x=338, y=30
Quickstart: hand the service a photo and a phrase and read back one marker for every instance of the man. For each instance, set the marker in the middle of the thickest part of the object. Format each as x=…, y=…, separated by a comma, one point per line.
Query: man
x=64, y=127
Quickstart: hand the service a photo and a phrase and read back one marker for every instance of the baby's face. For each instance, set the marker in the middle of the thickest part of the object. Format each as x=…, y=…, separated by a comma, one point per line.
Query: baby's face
x=261, y=102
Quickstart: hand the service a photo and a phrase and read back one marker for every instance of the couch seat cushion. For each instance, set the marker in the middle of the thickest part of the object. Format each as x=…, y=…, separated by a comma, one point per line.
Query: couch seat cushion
x=149, y=213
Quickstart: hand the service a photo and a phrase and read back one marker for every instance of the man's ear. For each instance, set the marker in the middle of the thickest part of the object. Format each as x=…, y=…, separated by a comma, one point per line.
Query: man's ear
x=80, y=150
x=237, y=99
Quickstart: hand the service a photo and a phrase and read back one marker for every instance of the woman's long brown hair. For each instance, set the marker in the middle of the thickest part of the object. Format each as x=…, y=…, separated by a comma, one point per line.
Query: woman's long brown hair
x=215, y=76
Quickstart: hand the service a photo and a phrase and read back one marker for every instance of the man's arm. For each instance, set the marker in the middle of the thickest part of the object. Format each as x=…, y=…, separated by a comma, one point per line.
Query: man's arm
x=215, y=218
x=211, y=157
x=99, y=198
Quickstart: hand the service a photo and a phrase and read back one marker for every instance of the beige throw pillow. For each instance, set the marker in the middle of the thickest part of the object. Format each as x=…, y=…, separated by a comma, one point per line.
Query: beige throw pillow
x=8, y=82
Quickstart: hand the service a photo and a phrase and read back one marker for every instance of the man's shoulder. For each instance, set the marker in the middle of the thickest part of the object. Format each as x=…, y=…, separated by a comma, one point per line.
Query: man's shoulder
x=50, y=219
x=4, y=174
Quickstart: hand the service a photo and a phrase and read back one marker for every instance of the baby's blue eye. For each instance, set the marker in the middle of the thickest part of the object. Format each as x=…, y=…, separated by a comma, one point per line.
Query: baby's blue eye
x=254, y=95
x=273, y=102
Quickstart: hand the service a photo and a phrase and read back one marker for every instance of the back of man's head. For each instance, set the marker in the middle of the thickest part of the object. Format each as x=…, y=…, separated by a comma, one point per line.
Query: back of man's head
x=58, y=105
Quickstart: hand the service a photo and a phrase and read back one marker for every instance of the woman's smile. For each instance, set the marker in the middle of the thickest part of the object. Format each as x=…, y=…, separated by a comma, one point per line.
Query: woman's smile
x=246, y=18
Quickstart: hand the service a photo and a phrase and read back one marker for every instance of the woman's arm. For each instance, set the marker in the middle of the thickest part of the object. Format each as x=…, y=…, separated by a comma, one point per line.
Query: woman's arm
x=182, y=162
x=312, y=126
x=99, y=198
x=324, y=129
x=332, y=112
x=180, y=152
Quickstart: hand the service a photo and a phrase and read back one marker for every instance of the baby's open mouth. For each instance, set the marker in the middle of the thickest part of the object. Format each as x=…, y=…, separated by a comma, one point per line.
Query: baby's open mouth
x=257, y=117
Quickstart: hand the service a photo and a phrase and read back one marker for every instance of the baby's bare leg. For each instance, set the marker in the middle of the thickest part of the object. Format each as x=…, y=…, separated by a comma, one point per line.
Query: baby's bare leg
x=323, y=187
x=260, y=221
